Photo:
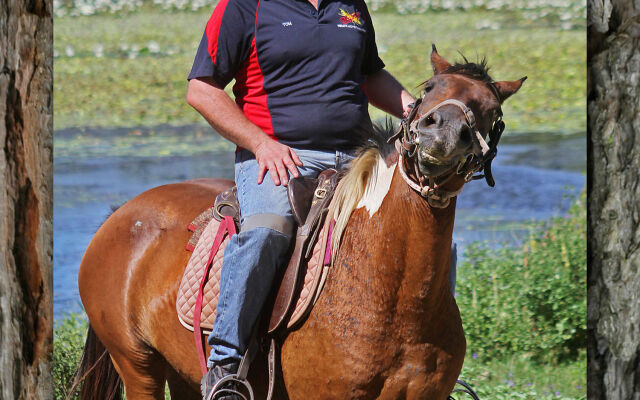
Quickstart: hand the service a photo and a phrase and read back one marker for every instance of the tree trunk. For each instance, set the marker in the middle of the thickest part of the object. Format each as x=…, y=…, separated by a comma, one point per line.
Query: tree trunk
x=26, y=183
x=614, y=199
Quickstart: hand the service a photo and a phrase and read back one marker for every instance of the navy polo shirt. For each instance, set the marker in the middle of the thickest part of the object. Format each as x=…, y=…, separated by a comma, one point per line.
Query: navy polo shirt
x=299, y=71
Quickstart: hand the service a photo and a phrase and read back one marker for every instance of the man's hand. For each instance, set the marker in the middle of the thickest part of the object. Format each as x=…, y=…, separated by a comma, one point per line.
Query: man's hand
x=277, y=158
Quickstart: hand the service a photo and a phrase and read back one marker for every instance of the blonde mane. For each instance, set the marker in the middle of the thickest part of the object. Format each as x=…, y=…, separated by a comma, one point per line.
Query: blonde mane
x=365, y=174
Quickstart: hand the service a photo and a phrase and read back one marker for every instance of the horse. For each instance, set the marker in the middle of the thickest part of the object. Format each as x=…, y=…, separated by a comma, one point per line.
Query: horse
x=386, y=325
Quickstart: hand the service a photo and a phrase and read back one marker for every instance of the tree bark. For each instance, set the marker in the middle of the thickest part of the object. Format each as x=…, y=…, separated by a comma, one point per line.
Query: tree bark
x=26, y=183
x=613, y=187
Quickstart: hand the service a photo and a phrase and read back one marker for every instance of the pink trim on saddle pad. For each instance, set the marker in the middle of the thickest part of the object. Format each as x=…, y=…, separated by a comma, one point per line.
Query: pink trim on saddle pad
x=327, y=253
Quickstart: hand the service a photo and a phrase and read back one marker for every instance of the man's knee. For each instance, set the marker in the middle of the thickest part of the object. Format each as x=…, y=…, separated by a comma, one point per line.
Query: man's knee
x=273, y=222
x=270, y=235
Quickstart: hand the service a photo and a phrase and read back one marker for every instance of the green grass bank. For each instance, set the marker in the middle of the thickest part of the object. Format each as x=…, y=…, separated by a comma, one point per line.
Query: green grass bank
x=130, y=69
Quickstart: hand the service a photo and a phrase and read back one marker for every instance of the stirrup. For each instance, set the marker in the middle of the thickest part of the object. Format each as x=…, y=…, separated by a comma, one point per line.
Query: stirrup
x=467, y=389
x=227, y=385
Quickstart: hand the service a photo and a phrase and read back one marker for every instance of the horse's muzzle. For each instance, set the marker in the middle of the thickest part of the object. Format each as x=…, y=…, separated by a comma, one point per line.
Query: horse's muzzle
x=440, y=150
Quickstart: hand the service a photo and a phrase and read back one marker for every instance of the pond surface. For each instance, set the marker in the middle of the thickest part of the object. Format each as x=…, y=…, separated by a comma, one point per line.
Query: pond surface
x=94, y=169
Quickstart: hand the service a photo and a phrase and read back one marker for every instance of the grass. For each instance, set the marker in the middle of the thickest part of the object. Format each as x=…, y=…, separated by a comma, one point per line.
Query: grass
x=156, y=141
x=140, y=78
x=515, y=377
x=524, y=313
x=68, y=341
x=529, y=300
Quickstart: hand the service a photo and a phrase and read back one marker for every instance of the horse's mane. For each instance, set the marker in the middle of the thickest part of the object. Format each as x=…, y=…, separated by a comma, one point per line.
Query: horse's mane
x=360, y=180
x=478, y=71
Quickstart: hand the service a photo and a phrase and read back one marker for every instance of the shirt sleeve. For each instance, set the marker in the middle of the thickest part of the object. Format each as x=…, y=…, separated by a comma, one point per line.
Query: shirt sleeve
x=226, y=42
x=371, y=62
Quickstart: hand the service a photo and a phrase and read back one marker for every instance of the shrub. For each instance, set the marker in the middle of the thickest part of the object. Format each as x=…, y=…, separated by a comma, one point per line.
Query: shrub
x=513, y=377
x=68, y=342
x=530, y=300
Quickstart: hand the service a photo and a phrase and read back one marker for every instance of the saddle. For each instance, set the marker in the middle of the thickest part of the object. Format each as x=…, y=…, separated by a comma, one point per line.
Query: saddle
x=296, y=292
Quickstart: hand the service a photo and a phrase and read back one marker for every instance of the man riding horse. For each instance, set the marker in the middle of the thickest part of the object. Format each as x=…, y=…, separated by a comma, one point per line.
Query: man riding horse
x=386, y=325
x=305, y=72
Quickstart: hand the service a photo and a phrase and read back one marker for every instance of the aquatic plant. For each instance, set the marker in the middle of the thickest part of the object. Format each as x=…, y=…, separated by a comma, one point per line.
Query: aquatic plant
x=564, y=10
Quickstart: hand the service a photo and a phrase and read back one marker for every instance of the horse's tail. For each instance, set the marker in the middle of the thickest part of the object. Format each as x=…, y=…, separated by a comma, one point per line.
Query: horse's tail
x=96, y=373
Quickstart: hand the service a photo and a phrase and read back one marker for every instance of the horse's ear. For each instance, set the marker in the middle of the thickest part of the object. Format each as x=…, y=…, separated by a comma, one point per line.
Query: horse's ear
x=438, y=63
x=507, y=88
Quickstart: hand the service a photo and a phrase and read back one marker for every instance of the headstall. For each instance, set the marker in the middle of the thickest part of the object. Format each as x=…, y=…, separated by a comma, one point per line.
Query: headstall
x=478, y=159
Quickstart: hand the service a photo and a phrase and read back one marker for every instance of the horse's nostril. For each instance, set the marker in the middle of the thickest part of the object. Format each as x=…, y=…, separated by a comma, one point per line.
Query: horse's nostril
x=425, y=122
x=465, y=134
x=429, y=120
x=437, y=118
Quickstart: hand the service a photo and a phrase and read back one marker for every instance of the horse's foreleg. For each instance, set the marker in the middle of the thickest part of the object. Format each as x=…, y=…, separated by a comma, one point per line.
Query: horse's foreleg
x=143, y=378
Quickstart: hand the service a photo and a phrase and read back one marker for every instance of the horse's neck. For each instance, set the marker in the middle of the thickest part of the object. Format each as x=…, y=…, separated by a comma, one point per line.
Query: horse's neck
x=422, y=236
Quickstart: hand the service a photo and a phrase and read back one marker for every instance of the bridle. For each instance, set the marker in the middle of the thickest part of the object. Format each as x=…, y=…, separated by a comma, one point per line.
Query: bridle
x=479, y=158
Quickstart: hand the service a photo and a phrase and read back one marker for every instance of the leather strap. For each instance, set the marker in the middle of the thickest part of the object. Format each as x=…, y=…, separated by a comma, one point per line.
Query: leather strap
x=300, y=193
x=306, y=235
x=271, y=361
x=227, y=225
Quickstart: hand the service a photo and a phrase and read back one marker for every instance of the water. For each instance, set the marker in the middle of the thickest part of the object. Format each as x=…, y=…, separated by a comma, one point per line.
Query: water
x=536, y=175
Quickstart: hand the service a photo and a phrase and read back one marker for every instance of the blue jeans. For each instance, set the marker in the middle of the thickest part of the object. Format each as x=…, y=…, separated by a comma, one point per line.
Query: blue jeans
x=253, y=257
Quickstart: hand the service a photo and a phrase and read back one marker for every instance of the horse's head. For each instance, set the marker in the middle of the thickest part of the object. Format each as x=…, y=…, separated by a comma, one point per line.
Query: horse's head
x=443, y=139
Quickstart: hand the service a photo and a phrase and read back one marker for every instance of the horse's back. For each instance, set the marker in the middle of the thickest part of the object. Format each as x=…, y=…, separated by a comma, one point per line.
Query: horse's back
x=131, y=270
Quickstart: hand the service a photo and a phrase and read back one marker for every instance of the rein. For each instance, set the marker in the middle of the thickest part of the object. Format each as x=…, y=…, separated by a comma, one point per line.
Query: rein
x=478, y=159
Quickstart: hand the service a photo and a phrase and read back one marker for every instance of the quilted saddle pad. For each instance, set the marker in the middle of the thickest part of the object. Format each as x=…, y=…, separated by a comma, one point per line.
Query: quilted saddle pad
x=188, y=290
x=316, y=271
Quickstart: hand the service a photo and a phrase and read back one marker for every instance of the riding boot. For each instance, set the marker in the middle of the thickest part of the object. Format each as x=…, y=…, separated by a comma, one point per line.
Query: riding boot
x=213, y=376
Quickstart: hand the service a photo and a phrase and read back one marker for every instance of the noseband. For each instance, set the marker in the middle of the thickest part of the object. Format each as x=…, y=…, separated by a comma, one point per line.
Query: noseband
x=479, y=158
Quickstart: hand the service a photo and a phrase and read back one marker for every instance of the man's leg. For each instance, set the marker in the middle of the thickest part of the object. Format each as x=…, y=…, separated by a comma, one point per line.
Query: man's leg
x=252, y=258
x=251, y=261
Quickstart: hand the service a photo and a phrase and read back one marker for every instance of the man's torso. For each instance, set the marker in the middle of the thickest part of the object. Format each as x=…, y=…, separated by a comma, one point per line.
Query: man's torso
x=299, y=70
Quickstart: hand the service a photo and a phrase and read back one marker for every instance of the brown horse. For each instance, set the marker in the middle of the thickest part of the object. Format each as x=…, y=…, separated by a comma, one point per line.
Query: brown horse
x=386, y=325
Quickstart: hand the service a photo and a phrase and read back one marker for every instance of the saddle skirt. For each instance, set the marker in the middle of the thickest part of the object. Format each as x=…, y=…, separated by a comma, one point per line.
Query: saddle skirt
x=205, y=228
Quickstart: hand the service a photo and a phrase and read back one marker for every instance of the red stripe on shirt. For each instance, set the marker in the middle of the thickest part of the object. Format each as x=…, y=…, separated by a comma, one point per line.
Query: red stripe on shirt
x=249, y=89
x=213, y=28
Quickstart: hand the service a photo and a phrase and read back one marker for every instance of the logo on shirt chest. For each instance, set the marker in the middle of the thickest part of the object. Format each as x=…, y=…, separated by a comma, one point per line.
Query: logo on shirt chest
x=348, y=19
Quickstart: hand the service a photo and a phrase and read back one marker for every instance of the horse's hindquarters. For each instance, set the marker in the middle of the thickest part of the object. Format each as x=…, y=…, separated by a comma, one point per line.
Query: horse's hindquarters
x=128, y=281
